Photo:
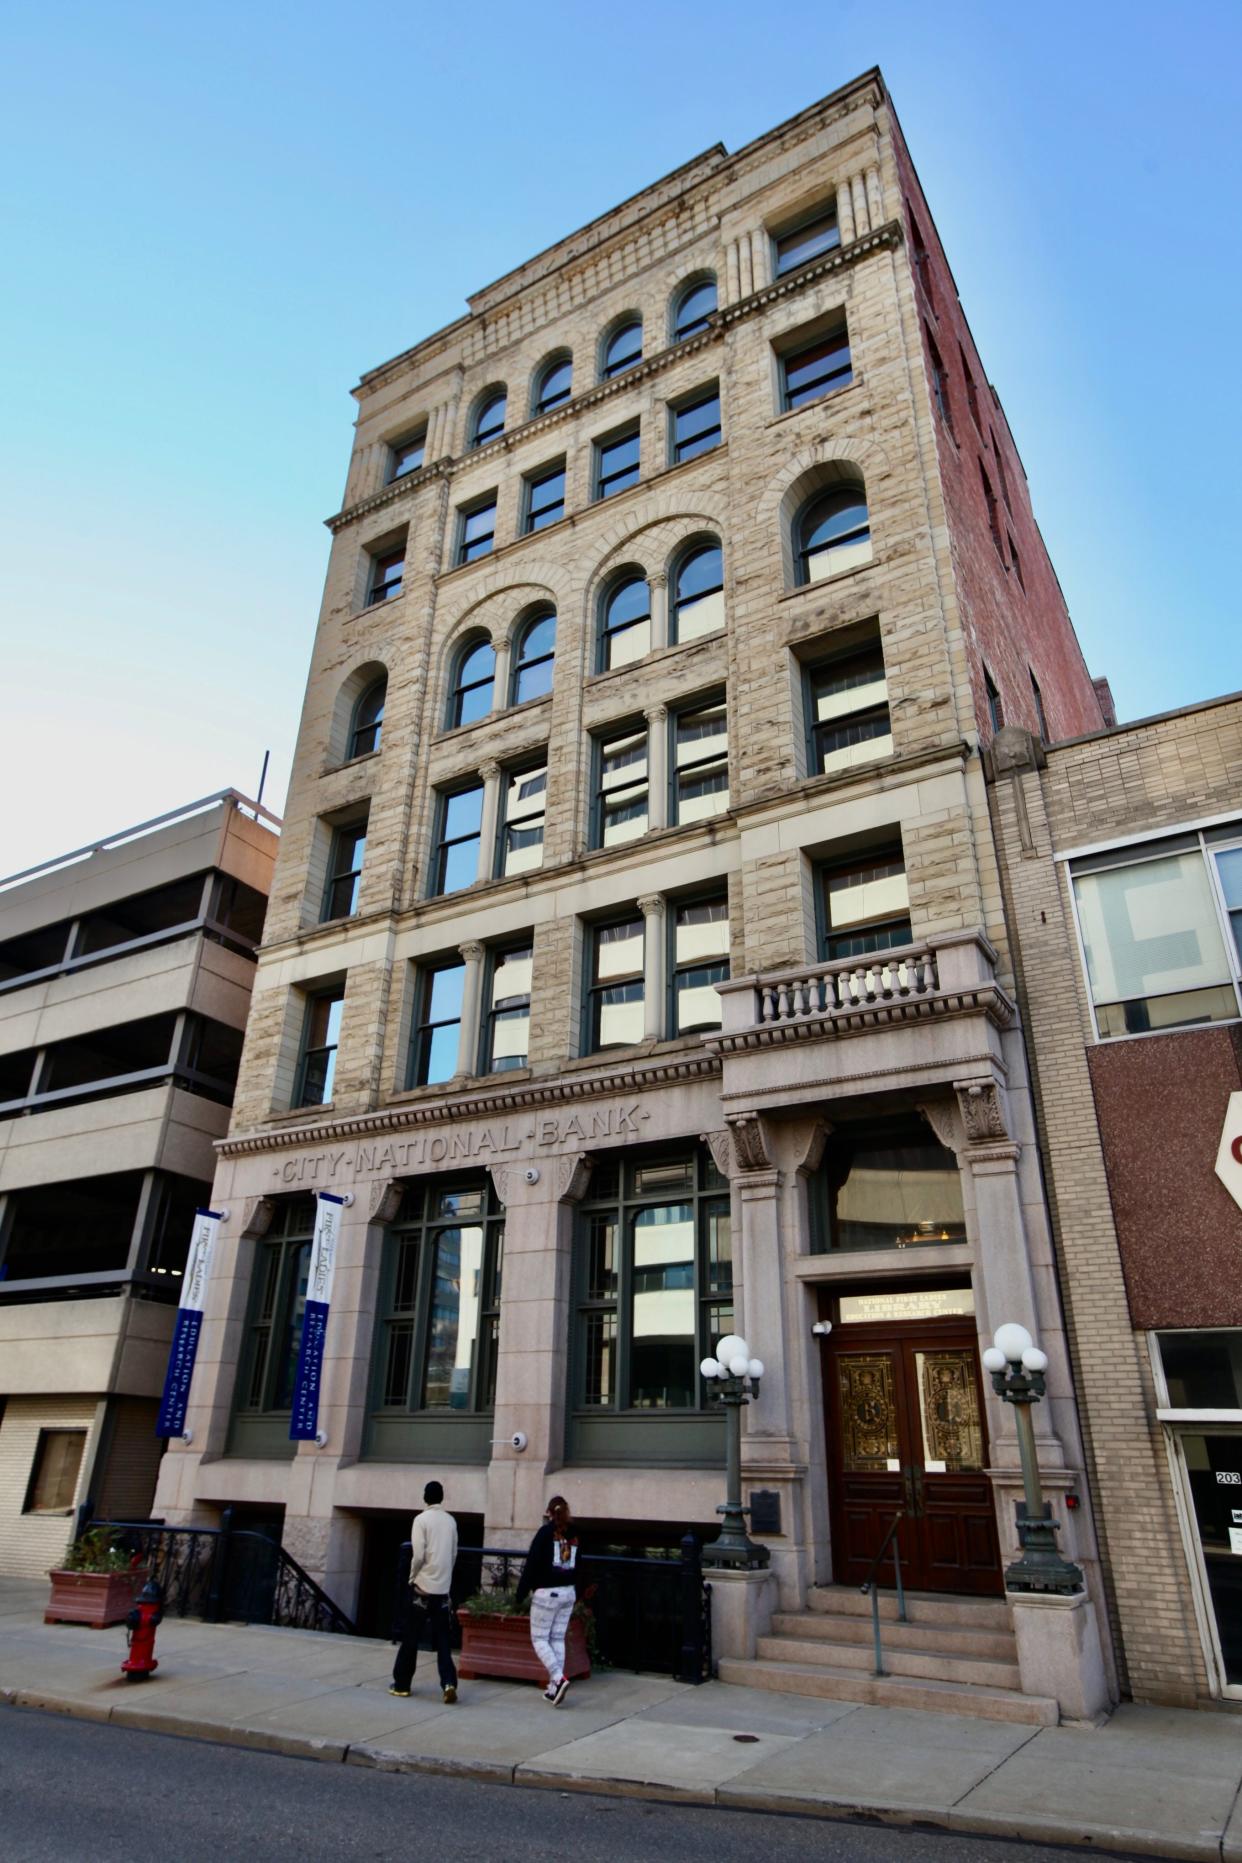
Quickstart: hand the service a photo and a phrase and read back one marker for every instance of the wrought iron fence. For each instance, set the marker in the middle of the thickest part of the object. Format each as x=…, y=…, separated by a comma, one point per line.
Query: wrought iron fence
x=650, y=1613
x=228, y=1574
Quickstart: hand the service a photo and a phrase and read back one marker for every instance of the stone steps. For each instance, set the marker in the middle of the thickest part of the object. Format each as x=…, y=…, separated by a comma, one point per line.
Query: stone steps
x=844, y=1627
x=922, y=1607
x=935, y=1665
x=894, y=1691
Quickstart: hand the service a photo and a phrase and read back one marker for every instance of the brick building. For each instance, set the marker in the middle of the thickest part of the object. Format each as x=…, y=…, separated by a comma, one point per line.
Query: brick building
x=1122, y=858
x=637, y=905
x=125, y=974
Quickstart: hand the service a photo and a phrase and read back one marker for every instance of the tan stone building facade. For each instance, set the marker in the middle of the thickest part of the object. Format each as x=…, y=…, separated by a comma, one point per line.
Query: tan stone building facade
x=1122, y=856
x=636, y=958
x=125, y=975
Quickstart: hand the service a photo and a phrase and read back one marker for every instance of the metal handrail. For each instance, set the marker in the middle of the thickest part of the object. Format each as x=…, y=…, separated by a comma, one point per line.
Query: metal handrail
x=870, y=1587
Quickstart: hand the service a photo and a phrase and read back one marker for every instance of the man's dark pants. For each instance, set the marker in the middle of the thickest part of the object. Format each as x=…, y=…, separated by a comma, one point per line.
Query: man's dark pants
x=424, y=1608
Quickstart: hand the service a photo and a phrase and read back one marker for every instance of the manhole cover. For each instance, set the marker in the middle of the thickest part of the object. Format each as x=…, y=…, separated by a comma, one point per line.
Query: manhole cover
x=747, y=1740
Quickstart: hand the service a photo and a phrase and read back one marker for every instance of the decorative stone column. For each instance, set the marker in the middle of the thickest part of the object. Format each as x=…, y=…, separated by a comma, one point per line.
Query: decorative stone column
x=471, y=1005
x=657, y=766
x=489, y=818
x=652, y=908
x=500, y=680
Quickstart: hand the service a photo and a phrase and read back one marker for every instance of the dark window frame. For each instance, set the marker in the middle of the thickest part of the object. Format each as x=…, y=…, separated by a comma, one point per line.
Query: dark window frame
x=831, y=346
x=689, y=289
x=597, y=989
x=607, y=484
x=694, y=445
x=996, y=705
x=716, y=700
x=332, y=994
x=608, y=633
x=273, y=1313
x=346, y=858
x=611, y=366
x=786, y=246
x=382, y=584
x=677, y=602
x=424, y=1025
x=674, y=970
x=360, y=725
x=838, y=494
x=533, y=511
x=521, y=662
x=505, y=822
x=861, y=651
x=494, y=1012
x=473, y=549
x=873, y=935
x=443, y=842
x=460, y=689
x=400, y=449
x=541, y=402
x=488, y=401
x=601, y=741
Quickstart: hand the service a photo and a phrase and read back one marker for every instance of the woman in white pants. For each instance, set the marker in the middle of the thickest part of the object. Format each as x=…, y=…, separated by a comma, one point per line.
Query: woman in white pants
x=550, y=1577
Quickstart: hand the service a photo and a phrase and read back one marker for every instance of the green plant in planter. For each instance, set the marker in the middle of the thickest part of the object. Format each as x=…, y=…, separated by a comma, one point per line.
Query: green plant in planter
x=501, y=1601
x=97, y=1551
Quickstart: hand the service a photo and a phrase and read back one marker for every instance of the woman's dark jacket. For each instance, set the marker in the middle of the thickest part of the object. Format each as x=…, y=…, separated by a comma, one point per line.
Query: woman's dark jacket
x=540, y=1573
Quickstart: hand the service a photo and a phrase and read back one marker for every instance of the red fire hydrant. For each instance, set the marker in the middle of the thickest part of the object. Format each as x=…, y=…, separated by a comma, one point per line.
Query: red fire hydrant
x=148, y=1611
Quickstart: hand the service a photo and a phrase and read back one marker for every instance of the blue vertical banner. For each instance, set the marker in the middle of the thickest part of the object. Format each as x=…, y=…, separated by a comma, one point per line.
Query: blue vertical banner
x=304, y=1423
x=184, y=1349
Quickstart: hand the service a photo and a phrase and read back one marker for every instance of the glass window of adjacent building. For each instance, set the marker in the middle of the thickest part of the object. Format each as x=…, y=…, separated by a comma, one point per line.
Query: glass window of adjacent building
x=439, y=1315
x=693, y=308
x=816, y=369
x=700, y=960
x=623, y=349
x=889, y=1184
x=437, y=1023
x=274, y=1327
x=847, y=708
x=700, y=760
x=625, y=624
x=524, y=803
x=617, y=463
x=321, y=1036
x=1160, y=925
x=455, y=861
x=811, y=240
x=696, y=426
x=621, y=786
x=698, y=593
x=506, y=1037
x=545, y=498
x=345, y=858
x=617, y=990
x=653, y=1279
x=473, y=684
x=864, y=903
x=534, y=653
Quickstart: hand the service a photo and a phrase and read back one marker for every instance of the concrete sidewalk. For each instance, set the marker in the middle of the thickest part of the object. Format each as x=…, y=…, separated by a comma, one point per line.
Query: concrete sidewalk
x=1160, y=1781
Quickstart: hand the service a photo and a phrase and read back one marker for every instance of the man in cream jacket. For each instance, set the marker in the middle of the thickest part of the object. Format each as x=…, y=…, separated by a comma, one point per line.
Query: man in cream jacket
x=433, y=1555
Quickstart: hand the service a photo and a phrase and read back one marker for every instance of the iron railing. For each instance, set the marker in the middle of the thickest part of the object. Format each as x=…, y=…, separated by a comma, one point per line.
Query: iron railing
x=871, y=1585
x=650, y=1614
x=228, y=1574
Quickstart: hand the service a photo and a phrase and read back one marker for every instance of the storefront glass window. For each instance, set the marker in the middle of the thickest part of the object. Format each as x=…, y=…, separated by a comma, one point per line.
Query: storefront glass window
x=889, y=1186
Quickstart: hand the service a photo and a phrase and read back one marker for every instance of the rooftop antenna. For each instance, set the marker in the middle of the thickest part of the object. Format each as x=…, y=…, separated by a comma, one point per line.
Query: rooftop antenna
x=262, y=778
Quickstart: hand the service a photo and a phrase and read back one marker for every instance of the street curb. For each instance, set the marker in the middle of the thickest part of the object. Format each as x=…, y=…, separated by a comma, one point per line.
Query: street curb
x=1103, y=1840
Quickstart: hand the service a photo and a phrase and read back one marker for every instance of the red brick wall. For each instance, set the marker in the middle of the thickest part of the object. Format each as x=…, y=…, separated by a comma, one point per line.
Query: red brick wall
x=1161, y=1106
x=1015, y=626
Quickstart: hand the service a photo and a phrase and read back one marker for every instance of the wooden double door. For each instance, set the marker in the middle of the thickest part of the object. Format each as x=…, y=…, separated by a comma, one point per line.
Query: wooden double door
x=906, y=1428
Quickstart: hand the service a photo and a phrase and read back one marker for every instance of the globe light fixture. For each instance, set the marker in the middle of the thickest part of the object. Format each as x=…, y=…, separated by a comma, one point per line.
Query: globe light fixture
x=1017, y=1366
x=732, y=1377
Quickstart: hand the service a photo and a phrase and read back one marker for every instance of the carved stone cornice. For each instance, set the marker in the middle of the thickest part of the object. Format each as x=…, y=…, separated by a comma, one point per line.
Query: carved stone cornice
x=642, y=1077
x=986, y=999
x=982, y=1110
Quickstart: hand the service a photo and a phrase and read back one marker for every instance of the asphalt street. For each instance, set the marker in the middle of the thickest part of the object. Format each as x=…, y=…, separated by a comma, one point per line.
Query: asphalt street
x=78, y=1789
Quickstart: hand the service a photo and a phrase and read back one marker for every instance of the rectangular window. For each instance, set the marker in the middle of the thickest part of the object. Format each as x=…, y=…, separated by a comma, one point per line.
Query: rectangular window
x=437, y=1024
x=545, y=498
x=809, y=241
x=507, y=1037
x=972, y=397
x=807, y=374
x=621, y=786
x=456, y=860
x=1015, y=563
x=616, y=463
x=700, y=954
x=1001, y=474
x=525, y=796
x=477, y=530
x=54, y=1476
x=866, y=904
x=696, y=427
x=386, y=573
x=1040, y=713
x=277, y=1306
x=349, y=845
x=940, y=381
x=406, y=455
x=700, y=761
x=996, y=709
x=654, y=1279
x=922, y=261
x=439, y=1318
x=1156, y=935
x=989, y=499
x=615, y=1012
x=847, y=703
x=320, y=1038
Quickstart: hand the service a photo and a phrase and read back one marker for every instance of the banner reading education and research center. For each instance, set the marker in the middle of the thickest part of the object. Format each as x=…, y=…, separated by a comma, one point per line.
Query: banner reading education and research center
x=304, y=1423
x=184, y=1349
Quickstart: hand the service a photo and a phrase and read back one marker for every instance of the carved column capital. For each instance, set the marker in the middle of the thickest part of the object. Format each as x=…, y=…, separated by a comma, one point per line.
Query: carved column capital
x=946, y=1122
x=384, y=1200
x=656, y=714
x=257, y=1214
x=983, y=1110
x=812, y=1156
x=749, y=1142
x=489, y=770
x=651, y=905
x=473, y=953
x=721, y=1148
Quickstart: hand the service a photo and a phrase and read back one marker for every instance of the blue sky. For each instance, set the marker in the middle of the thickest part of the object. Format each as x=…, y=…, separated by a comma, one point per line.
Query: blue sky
x=217, y=219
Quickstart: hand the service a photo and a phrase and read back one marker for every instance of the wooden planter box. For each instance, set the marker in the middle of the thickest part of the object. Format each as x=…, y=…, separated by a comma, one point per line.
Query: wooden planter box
x=94, y=1598
x=496, y=1645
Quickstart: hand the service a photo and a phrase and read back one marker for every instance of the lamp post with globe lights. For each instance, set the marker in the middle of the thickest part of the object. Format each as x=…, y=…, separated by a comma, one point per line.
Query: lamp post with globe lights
x=1017, y=1366
x=734, y=1377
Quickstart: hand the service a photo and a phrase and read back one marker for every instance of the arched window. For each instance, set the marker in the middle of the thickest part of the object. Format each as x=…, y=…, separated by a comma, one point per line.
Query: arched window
x=692, y=308
x=625, y=632
x=698, y=593
x=553, y=384
x=833, y=534
x=367, y=722
x=473, y=678
x=489, y=417
x=623, y=349
x=533, y=655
